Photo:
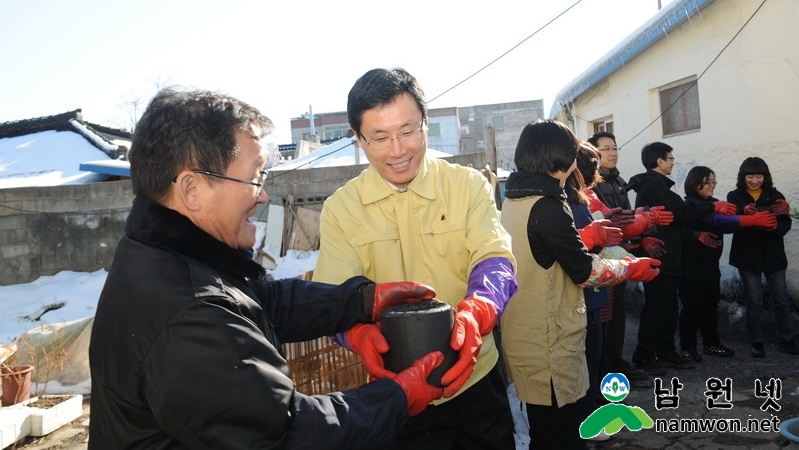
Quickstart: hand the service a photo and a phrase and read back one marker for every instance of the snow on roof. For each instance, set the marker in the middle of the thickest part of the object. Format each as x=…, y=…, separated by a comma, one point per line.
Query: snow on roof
x=46, y=158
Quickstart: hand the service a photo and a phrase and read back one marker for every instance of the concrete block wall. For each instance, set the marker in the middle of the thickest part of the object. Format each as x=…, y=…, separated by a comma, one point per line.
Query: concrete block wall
x=44, y=230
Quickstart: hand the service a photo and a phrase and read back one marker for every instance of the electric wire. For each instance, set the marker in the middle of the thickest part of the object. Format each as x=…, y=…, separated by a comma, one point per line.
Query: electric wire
x=517, y=45
x=718, y=55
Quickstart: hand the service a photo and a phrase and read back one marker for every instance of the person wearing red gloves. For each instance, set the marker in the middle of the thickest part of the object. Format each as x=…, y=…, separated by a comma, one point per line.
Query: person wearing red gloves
x=659, y=315
x=700, y=284
x=756, y=252
x=185, y=348
x=543, y=328
x=611, y=193
x=604, y=240
x=410, y=217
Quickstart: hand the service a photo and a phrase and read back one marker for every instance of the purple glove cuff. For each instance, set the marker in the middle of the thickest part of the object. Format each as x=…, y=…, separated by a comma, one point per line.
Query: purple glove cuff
x=493, y=279
x=728, y=224
x=340, y=338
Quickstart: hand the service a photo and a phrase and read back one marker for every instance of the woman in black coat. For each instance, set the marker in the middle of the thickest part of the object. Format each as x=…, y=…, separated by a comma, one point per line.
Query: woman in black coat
x=702, y=246
x=756, y=252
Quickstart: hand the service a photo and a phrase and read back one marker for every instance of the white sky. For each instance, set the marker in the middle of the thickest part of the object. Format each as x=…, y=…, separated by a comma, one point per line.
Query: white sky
x=283, y=56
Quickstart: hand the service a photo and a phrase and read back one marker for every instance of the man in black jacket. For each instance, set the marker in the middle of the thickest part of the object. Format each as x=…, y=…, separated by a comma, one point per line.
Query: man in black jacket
x=612, y=191
x=659, y=315
x=185, y=348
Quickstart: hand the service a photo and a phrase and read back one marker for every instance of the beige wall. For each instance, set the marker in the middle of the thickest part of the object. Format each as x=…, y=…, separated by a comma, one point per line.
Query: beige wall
x=749, y=99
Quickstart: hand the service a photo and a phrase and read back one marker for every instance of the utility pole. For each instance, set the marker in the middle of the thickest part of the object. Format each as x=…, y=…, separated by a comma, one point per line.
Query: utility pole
x=492, y=149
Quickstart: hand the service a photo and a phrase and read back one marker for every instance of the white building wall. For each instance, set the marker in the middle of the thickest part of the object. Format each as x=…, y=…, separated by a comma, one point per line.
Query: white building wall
x=749, y=100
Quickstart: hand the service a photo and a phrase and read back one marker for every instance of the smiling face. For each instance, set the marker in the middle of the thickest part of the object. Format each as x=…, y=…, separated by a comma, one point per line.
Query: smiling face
x=707, y=187
x=399, y=163
x=227, y=205
x=754, y=181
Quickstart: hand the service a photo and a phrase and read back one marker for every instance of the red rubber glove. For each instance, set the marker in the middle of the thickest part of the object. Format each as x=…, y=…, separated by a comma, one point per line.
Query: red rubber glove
x=759, y=219
x=661, y=216
x=653, y=247
x=642, y=269
x=781, y=207
x=368, y=342
x=707, y=238
x=475, y=318
x=595, y=204
x=600, y=233
x=620, y=218
x=383, y=295
x=643, y=222
x=413, y=381
x=724, y=208
x=750, y=209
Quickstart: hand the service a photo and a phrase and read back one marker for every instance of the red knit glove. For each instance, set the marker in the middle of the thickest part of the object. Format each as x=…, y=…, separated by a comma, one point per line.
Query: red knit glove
x=383, y=295
x=642, y=269
x=366, y=340
x=750, y=209
x=653, y=247
x=476, y=317
x=413, y=381
x=781, y=207
x=724, y=208
x=759, y=219
x=661, y=216
x=707, y=238
x=600, y=233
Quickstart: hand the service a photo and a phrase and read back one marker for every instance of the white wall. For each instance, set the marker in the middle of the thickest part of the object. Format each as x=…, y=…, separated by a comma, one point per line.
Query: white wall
x=749, y=99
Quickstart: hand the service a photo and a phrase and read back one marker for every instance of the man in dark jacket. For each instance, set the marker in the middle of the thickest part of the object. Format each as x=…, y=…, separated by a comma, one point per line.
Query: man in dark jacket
x=612, y=190
x=185, y=348
x=659, y=315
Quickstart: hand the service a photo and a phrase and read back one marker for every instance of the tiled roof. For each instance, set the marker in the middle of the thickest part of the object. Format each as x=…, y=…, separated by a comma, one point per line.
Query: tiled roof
x=100, y=136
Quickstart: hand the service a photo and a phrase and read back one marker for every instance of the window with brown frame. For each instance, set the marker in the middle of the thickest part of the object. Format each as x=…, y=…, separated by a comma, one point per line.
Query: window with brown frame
x=679, y=108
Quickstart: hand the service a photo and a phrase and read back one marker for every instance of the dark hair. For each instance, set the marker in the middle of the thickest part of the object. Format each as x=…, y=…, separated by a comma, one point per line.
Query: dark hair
x=379, y=87
x=696, y=179
x=654, y=151
x=188, y=129
x=588, y=164
x=593, y=140
x=545, y=147
x=754, y=166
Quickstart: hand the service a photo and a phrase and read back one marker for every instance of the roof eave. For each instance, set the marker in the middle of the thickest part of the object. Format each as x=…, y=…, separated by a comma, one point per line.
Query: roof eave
x=665, y=21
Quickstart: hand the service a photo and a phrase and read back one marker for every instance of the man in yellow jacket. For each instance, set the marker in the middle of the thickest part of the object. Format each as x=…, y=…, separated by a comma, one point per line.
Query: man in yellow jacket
x=409, y=217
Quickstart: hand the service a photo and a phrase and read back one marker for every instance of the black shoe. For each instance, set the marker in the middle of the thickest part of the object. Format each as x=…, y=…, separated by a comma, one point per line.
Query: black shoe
x=719, y=350
x=691, y=354
x=758, y=351
x=676, y=361
x=788, y=347
x=651, y=366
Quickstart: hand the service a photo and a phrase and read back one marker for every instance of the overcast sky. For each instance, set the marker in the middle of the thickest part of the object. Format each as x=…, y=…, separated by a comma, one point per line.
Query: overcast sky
x=284, y=56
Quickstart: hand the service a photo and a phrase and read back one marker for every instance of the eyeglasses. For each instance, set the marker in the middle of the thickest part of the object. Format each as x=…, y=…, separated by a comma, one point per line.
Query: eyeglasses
x=407, y=137
x=709, y=183
x=260, y=183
